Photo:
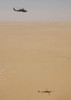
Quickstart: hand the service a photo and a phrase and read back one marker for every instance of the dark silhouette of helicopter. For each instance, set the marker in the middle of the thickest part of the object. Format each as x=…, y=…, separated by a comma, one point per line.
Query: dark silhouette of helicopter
x=20, y=10
x=45, y=91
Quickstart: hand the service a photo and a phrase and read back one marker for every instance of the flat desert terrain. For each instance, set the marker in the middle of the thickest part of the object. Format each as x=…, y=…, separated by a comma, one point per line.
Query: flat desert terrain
x=35, y=56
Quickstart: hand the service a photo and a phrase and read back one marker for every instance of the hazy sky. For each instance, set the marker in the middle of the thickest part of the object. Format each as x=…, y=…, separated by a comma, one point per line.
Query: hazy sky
x=38, y=10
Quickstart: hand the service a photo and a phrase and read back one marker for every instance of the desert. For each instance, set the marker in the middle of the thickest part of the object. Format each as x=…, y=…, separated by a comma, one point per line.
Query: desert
x=35, y=56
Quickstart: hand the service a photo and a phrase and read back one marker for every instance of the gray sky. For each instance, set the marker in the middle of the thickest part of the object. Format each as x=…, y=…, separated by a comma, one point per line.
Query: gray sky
x=38, y=10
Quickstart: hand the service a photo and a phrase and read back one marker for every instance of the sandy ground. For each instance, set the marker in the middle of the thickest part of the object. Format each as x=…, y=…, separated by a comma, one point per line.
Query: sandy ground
x=35, y=56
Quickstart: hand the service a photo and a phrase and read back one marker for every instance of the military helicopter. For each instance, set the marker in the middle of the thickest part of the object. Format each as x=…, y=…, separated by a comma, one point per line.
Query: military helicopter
x=20, y=10
x=45, y=91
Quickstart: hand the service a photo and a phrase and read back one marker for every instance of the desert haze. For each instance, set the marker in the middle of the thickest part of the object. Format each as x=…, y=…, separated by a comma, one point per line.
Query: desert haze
x=35, y=56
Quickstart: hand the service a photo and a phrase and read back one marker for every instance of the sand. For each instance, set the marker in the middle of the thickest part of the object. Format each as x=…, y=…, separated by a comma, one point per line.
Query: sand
x=35, y=56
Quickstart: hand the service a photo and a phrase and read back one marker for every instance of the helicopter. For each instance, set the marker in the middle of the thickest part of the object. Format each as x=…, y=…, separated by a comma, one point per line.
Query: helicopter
x=45, y=91
x=20, y=10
